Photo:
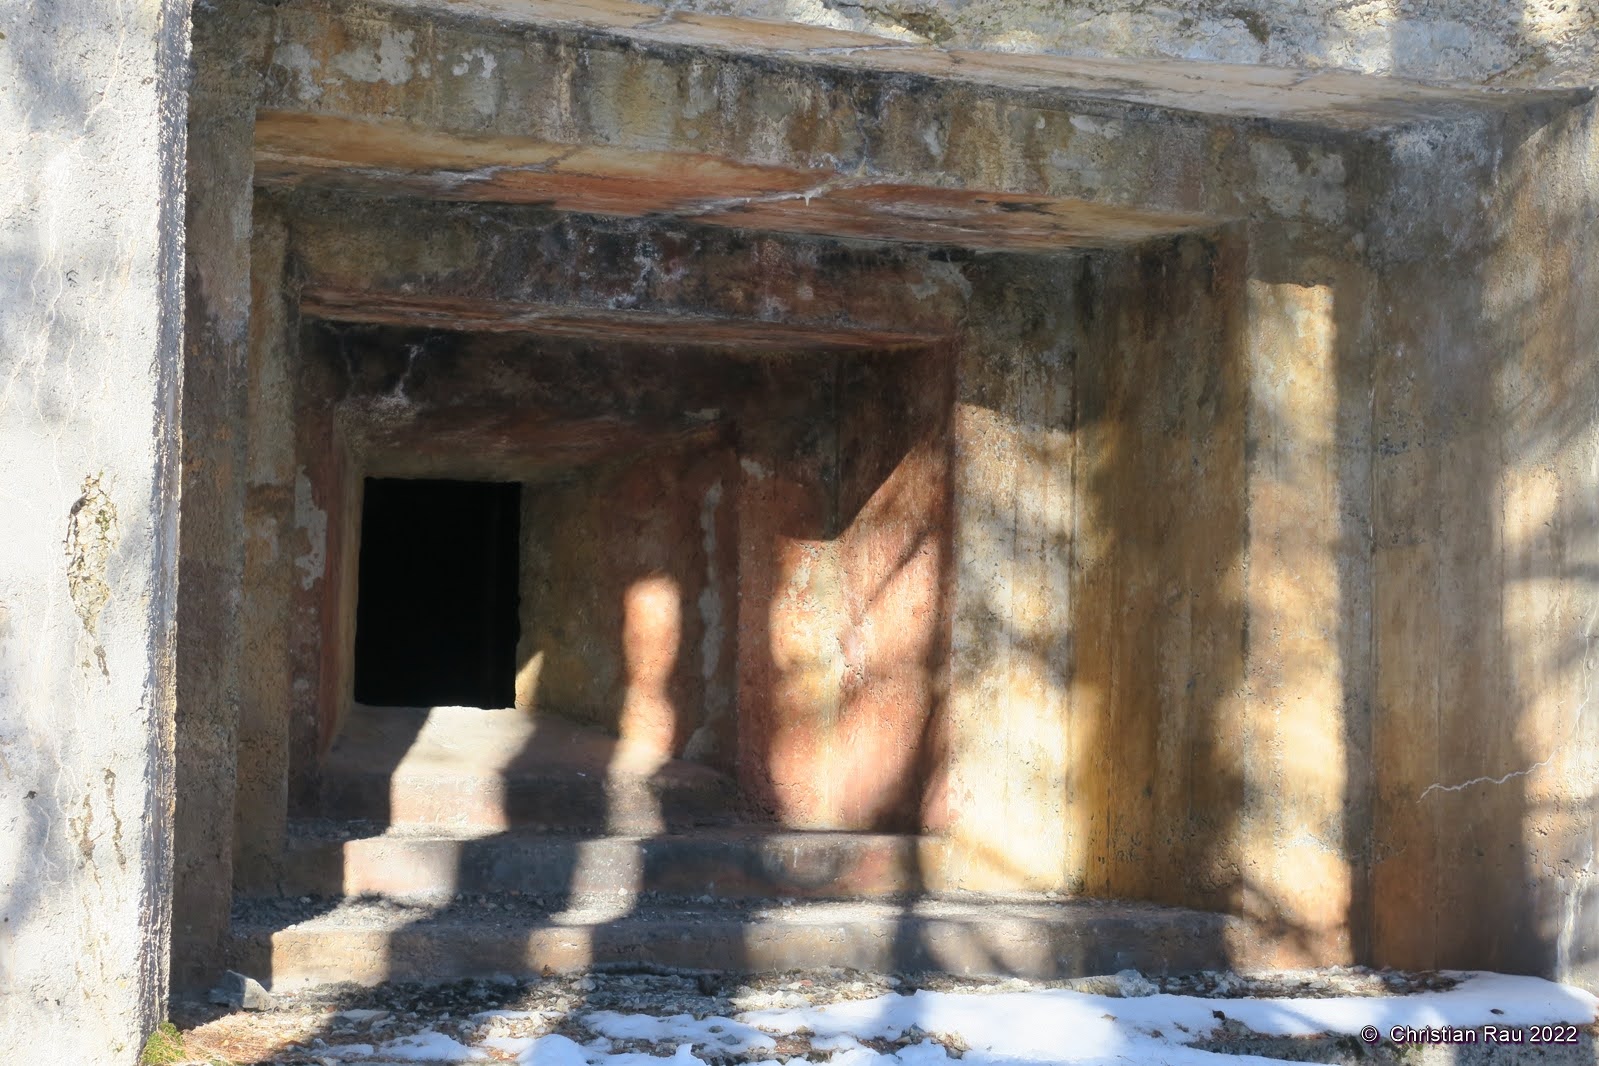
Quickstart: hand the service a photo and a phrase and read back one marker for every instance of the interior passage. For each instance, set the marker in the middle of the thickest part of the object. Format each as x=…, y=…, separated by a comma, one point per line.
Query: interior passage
x=436, y=621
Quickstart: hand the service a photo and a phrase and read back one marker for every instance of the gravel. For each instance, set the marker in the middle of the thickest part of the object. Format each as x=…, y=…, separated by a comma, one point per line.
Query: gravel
x=306, y=1028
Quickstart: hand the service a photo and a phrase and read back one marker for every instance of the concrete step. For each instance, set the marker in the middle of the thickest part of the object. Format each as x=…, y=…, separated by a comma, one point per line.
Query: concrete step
x=291, y=945
x=746, y=862
x=473, y=769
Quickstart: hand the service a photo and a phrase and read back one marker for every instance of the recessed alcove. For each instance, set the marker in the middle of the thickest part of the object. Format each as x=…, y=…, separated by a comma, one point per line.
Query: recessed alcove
x=716, y=565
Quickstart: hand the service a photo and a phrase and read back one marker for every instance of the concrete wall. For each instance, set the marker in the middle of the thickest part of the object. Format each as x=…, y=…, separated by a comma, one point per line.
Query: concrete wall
x=629, y=586
x=1485, y=510
x=1097, y=692
x=91, y=275
x=843, y=627
x=1307, y=585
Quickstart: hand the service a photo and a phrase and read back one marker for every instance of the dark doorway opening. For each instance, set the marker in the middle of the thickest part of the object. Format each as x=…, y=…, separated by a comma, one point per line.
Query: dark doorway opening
x=436, y=617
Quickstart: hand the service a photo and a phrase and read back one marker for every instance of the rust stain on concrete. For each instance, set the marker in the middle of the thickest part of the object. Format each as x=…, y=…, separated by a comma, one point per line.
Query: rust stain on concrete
x=390, y=157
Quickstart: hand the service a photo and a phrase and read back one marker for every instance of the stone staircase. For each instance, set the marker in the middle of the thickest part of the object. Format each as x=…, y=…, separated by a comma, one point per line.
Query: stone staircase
x=459, y=842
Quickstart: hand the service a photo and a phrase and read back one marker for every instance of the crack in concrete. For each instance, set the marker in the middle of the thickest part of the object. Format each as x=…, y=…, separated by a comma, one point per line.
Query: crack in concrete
x=1559, y=746
x=724, y=204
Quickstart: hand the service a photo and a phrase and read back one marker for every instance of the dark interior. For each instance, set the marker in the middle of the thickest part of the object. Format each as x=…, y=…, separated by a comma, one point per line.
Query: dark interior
x=436, y=619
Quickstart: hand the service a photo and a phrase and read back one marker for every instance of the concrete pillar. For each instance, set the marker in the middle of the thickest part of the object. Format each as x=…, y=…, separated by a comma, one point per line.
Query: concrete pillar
x=1003, y=797
x=211, y=555
x=1303, y=733
x=261, y=797
x=92, y=145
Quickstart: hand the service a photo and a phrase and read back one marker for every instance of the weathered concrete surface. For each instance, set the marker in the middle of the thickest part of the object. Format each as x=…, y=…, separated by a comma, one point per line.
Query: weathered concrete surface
x=898, y=117
x=741, y=863
x=353, y=72
x=470, y=769
x=842, y=626
x=211, y=549
x=1484, y=515
x=1529, y=42
x=788, y=291
x=295, y=150
x=629, y=587
x=577, y=323
x=1160, y=762
x=91, y=275
x=272, y=537
x=1032, y=937
x=1304, y=732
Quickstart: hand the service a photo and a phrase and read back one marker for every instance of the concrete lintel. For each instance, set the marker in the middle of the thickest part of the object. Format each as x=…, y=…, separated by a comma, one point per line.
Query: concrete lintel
x=495, y=446
x=594, y=323
x=389, y=157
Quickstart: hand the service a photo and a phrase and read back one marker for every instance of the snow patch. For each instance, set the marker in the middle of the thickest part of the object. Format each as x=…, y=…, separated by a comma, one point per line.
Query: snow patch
x=511, y=1015
x=563, y=1051
x=1040, y=1027
x=1058, y=1026
x=430, y=1046
x=729, y=1037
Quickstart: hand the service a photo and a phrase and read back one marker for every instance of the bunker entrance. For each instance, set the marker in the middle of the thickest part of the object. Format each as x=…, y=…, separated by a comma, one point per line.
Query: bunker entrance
x=436, y=613
x=664, y=588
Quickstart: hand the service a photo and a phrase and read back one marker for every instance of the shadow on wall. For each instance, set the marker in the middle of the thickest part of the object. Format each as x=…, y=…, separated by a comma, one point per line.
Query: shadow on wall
x=1099, y=617
x=1097, y=767
x=1488, y=402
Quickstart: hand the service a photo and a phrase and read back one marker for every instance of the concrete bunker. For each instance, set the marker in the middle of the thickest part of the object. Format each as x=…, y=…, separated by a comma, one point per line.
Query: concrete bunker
x=937, y=478
x=1266, y=555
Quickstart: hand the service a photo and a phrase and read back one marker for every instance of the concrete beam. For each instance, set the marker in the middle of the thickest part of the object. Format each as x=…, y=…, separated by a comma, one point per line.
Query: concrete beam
x=595, y=323
x=211, y=550
x=399, y=158
x=499, y=443
x=503, y=254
